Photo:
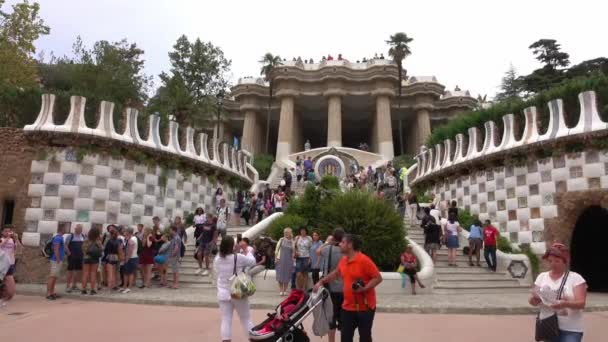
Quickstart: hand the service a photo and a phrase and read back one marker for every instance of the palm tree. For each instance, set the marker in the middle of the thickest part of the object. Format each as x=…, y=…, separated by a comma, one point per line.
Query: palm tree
x=269, y=62
x=399, y=49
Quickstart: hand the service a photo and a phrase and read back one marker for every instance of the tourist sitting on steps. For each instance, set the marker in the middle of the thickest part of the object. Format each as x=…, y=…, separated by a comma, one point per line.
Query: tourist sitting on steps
x=409, y=267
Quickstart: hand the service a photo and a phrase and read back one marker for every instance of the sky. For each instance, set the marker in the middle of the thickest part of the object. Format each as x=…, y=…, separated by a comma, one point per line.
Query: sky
x=466, y=43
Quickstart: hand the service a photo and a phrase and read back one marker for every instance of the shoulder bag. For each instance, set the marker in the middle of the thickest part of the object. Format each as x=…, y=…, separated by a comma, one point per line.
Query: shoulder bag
x=241, y=284
x=547, y=329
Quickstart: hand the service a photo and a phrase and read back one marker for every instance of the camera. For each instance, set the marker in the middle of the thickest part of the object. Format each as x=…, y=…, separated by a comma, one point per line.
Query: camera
x=358, y=284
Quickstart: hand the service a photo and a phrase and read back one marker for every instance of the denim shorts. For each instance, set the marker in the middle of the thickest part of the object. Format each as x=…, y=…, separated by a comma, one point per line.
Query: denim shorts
x=302, y=264
x=131, y=266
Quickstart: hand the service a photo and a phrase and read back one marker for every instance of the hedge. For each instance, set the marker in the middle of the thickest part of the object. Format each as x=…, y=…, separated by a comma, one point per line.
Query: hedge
x=568, y=91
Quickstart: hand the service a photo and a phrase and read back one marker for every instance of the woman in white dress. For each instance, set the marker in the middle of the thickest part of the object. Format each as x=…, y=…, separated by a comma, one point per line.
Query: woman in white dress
x=569, y=307
x=224, y=265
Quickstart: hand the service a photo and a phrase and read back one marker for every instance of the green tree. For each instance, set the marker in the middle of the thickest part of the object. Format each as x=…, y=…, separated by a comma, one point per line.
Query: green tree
x=199, y=71
x=269, y=62
x=510, y=85
x=107, y=71
x=399, y=49
x=18, y=32
x=548, y=52
x=588, y=67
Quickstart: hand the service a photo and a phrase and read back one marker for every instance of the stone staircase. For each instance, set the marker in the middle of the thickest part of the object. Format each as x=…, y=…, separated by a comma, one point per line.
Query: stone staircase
x=465, y=279
x=187, y=271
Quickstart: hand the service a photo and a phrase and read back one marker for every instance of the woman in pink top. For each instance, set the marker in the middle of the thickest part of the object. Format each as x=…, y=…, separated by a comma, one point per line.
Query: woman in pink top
x=8, y=246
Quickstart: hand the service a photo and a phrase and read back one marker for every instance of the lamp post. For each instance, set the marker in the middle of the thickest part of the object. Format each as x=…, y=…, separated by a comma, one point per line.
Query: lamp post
x=220, y=100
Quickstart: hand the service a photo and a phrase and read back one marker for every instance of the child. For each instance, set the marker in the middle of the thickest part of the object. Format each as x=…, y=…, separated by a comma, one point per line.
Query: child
x=410, y=268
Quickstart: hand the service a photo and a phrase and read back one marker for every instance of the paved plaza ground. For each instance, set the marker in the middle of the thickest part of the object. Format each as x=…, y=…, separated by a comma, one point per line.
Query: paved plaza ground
x=32, y=318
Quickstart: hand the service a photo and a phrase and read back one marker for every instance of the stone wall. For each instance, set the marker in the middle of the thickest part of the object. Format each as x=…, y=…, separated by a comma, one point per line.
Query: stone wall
x=100, y=190
x=523, y=200
x=15, y=161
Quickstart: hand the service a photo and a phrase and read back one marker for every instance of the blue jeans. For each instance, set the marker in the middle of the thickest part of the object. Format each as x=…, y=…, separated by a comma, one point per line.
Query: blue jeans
x=568, y=336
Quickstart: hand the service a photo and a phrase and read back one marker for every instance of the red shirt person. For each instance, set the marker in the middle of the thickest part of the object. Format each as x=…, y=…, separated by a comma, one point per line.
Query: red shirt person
x=360, y=276
x=490, y=237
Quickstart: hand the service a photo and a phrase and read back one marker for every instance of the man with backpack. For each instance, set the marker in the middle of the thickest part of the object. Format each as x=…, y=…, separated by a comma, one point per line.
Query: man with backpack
x=331, y=255
x=56, y=248
x=75, y=255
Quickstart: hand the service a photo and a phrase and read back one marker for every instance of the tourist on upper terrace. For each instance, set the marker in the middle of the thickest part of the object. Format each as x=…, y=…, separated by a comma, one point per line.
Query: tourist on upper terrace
x=299, y=172
x=56, y=260
x=562, y=293
x=451, y=231
x=364, y=60
x=302, y=252
x=284, y=260
x=92, y=250
x=340, y=57
x=223, y=217
x=330, y=255
x=287, y=176
x=376, y=55
x=246, y=210
x=360, y=277
x=381, y=56
x=323, y=58
x=490, y=237
x=238, y=207
x=224, y=264
x=311, y=176
x=219, y=195
x=299, y=60
x=330, y=58
x=475, y=242
x=9, y=244
x=409, y=265
x=74, y=254
x=260, y=203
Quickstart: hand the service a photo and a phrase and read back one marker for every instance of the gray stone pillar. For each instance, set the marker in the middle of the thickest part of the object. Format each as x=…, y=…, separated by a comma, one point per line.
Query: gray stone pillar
x=334, y=121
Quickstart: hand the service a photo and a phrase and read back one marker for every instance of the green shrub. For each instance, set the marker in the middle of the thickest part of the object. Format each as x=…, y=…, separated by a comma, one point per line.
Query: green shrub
x=293, y=221
x=330, y=182
x=263, y=164
x=534, y=260
x=567, y=90
x=504, y=245
x=403, y=160
x=466, y=219
x=376, y=221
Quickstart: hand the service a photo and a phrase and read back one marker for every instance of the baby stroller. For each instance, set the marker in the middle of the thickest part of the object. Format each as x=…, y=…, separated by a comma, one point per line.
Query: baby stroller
x=285, y=323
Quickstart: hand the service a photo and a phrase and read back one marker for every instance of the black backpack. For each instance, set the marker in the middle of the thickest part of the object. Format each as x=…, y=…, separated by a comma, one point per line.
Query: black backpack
x=47, y=249
x=182, y=250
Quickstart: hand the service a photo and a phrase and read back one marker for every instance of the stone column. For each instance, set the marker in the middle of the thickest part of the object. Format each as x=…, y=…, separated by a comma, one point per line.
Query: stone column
x=423, y=127
x=250, y=132
x=334, y=121
x=383, y=126
x=285, y=128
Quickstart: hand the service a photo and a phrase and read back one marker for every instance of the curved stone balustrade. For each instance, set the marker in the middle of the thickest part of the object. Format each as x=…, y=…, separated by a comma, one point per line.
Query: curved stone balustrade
x=75, y=124
x=589, y=121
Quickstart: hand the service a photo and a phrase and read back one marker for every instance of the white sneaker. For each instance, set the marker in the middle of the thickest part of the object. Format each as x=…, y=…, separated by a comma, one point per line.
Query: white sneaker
x=205, y=273
x=125, y=291
x=198, y=271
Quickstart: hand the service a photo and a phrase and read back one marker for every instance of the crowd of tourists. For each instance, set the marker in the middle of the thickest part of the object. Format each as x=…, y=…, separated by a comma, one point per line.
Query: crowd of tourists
x=329, y=57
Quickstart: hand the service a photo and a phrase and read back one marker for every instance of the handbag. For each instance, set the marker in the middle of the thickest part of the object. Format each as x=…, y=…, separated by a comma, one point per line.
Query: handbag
x=241, y=285
x=547, y=329
x=400, y=269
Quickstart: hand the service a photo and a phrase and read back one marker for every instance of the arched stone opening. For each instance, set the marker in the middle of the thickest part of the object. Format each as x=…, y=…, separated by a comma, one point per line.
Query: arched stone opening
x=588, y=239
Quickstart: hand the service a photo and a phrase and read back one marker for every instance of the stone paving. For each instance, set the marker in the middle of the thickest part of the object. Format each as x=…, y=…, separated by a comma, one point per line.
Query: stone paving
x=508, y=303
x=35, y=319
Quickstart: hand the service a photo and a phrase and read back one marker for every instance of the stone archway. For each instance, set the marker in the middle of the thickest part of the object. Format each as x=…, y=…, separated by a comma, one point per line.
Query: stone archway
x=588, y=239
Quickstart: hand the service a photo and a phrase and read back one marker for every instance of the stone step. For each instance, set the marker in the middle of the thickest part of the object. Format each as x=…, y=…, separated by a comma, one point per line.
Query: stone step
x=478, y=282
x=461, y=263
x=488, y=276
x=466, y=288
x=189, y=279
x=442, y=269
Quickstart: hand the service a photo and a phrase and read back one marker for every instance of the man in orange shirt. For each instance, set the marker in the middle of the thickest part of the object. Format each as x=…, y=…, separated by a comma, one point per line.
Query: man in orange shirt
x=360, y=276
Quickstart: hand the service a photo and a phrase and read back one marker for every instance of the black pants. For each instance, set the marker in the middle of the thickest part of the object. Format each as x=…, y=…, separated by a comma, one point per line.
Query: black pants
x=489, y=253
x=351, y=320
x=315, y=275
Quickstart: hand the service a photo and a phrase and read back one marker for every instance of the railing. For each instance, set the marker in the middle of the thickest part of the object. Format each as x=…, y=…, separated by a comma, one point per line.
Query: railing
x=466, y=149
x=236, y=163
